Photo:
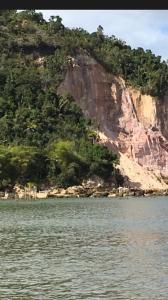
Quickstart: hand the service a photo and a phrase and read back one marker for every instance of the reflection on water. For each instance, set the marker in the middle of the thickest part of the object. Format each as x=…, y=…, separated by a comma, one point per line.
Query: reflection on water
x=84, y=249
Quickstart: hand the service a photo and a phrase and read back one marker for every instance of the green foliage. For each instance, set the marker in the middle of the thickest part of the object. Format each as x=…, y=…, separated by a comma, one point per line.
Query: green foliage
x=55, y=25
x=21, y=164
x=27, y=31
x=31, y=15
x=50, y=141
x=44, y=137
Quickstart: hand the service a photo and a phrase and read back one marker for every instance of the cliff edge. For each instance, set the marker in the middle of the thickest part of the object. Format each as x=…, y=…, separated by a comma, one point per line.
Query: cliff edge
x=132, y=124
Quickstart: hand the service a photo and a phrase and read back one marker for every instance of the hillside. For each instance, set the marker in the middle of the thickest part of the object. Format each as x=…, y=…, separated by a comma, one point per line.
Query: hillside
x=61, y=88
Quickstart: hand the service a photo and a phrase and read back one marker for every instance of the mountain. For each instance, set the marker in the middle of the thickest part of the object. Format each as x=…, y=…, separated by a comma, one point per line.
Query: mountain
x=75, y=106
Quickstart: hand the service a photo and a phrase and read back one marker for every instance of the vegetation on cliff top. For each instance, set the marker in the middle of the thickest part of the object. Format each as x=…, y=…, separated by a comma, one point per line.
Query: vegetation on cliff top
x=44, y=137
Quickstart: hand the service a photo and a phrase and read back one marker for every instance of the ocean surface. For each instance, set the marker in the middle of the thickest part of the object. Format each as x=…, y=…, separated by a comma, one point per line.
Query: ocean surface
x=84, y=248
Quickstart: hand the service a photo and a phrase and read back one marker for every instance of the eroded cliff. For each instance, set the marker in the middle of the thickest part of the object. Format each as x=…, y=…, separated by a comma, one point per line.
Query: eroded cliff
x=134, y=125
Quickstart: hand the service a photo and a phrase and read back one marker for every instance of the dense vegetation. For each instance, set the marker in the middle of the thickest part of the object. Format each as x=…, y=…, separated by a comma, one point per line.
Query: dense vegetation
x=44, y=137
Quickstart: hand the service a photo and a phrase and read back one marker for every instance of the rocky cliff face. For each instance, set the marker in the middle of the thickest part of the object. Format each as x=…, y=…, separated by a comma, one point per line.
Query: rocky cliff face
x=134, y=125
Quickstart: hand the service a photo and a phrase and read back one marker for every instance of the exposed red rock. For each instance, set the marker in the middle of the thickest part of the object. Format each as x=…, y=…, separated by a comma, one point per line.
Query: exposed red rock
x=135, y=125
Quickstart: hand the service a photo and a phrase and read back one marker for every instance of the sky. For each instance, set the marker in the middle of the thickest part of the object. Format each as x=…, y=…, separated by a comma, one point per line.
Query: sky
x=138, y=28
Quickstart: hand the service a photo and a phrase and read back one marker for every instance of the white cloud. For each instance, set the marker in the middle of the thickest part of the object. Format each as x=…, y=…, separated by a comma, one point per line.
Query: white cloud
x=139, y=28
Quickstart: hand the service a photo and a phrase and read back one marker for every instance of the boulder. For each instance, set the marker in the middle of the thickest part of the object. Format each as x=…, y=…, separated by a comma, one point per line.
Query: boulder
x=100, y=194
x=112, y=195
x=75, y=190
x=2, y=194
x=42, y=195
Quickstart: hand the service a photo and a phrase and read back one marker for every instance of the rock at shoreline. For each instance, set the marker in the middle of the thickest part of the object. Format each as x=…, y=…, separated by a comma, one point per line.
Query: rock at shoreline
x=112, y=195
x=80, y=191
x=100, y=194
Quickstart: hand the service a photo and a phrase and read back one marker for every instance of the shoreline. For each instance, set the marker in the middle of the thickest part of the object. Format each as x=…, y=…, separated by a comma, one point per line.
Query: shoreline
x=80, y=192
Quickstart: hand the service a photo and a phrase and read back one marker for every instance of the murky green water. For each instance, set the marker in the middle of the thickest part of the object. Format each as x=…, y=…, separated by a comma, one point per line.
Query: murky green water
x=84, y=249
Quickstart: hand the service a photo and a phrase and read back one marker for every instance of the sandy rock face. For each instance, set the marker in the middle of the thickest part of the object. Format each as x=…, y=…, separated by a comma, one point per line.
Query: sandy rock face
x=134, y=125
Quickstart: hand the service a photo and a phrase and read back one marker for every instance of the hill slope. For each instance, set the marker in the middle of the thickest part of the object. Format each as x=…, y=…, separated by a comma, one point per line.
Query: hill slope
x=132, y=122
x=46, y=138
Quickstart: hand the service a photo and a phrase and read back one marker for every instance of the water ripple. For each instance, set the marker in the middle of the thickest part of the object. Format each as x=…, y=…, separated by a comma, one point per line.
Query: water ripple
x=90, y=249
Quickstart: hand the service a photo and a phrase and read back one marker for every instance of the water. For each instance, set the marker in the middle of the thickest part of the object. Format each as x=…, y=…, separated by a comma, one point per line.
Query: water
x=84, y=249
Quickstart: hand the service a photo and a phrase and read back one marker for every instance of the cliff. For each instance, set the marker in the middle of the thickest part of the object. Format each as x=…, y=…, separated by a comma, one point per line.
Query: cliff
x=132, y=124
x=45, y=139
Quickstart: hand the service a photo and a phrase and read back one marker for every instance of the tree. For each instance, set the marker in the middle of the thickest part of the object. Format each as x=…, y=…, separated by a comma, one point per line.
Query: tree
x=100, y=30
x=55, y=24
x=32, y=15
x=6, y=16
